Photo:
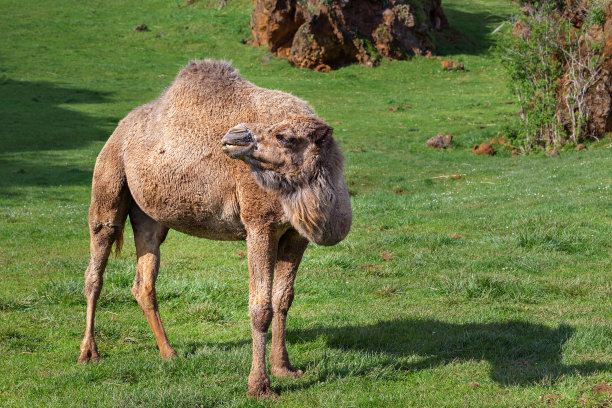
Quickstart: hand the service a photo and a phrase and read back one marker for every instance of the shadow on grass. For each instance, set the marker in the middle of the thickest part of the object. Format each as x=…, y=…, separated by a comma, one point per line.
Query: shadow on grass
x=519, y=353
x=35, y=117
x=474, y=34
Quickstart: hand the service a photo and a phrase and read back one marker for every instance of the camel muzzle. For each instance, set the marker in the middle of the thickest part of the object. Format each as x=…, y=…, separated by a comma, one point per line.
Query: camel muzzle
x=238, y=142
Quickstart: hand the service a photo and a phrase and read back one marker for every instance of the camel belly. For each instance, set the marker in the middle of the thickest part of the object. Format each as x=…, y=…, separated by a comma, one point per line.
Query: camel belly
x=196, y=214
x=212, y=229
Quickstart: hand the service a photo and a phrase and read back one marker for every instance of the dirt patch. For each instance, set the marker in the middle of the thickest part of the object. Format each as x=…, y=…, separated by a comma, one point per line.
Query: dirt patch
x=551, y=399
x=603, y=388
x=387, y=257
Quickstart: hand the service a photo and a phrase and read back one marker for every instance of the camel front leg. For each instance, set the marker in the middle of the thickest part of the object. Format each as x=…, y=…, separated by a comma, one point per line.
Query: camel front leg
x=262, y=247
x=290, y=250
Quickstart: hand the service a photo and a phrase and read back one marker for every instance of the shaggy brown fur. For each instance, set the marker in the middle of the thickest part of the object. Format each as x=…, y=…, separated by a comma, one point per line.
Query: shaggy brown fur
x=169, y=165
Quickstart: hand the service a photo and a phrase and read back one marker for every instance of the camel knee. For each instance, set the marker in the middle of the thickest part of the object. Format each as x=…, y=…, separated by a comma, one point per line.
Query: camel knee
x=144, y=295
x=103, y=235
x=261, y=316
x=282, y=301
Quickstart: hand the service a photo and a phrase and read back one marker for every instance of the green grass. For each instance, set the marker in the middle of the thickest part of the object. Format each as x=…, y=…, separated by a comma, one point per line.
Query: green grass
x=498, y=291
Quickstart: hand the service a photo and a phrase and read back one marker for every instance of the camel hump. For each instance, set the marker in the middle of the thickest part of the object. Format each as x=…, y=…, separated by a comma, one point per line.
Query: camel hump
x=209, y=69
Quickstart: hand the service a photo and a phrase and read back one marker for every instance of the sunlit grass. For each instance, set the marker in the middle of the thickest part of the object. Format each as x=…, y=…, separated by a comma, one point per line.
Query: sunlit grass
x=495, y=288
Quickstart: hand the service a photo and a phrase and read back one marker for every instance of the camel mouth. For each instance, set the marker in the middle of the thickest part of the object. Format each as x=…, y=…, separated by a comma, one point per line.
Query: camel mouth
x=237, y=151
x=238, y=142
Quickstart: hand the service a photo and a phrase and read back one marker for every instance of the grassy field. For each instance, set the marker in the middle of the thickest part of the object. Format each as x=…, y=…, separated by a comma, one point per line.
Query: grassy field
x=496, y=289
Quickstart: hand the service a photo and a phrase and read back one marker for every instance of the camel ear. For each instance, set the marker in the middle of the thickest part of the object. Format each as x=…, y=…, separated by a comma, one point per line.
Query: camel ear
x=322, y=134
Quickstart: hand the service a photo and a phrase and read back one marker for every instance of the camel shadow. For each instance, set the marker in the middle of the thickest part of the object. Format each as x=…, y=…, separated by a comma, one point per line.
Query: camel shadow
x=36, y=119
x=519, y=353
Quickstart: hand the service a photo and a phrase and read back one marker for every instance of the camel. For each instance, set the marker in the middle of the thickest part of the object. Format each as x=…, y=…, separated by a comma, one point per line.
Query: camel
x=217, y=157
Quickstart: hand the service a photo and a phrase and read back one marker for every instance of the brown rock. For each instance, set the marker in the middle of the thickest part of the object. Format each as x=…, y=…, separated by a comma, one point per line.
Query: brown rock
x=322, y=68
x=485, y=149
x=450, y=65
x=440, y=141
x=334, y=33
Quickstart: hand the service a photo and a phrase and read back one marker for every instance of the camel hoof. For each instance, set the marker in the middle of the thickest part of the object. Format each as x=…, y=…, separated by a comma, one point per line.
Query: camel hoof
x=169, y=354
x=286, y=372
x=260, y=393
x=259, y=387
x=88, y=355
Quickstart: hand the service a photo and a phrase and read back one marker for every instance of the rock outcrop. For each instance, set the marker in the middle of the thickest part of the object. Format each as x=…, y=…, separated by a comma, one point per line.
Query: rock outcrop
x=599, y=96
x=598, y=100
x=328, y=34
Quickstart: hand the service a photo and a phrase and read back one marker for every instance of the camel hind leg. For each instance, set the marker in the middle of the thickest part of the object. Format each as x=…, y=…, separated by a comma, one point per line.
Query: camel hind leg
x=110, y=202
x=148, y=236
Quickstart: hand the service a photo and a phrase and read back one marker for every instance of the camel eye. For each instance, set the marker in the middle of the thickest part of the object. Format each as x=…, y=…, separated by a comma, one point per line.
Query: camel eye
x=284, y=141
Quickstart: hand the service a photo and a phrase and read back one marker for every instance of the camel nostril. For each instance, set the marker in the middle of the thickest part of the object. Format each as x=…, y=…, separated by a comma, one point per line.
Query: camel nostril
x=239, y=135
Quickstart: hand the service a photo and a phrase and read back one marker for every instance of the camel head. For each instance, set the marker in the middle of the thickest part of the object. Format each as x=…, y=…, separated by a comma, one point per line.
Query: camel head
x=286, y=155
x=299, y=159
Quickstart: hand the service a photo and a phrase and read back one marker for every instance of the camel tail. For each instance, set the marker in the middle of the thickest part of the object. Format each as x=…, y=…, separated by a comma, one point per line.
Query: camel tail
x=119, y=243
